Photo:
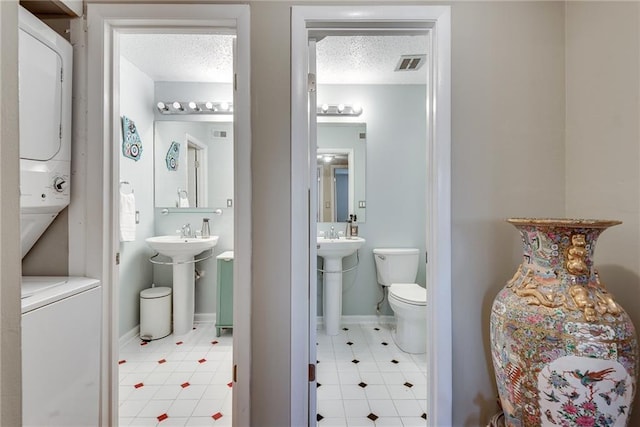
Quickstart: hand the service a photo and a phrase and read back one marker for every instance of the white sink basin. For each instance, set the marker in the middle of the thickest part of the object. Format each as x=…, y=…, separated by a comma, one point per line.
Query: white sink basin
x=339, y=247
x=176, y=246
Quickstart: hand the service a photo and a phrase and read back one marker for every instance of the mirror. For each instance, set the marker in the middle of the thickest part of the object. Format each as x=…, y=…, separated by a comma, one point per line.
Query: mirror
x=193, y=164
x=341, y=171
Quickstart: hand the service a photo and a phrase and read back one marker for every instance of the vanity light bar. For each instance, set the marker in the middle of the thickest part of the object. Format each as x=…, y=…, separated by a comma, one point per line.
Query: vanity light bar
x=339, y=110
x=194, y=107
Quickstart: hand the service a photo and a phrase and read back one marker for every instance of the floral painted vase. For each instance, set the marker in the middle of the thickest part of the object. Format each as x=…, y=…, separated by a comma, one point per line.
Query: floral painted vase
x=564, y=352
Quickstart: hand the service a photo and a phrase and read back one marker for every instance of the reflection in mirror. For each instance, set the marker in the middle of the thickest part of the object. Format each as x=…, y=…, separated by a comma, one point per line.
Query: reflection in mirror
x=193, y=164
x=341, y=171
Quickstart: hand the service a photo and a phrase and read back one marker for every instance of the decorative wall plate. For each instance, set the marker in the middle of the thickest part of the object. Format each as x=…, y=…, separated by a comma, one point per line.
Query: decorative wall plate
x=131, y=143
x=173, y=155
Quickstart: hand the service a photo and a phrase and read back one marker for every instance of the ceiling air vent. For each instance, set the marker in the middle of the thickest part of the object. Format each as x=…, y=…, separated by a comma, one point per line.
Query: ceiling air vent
x=410, y=62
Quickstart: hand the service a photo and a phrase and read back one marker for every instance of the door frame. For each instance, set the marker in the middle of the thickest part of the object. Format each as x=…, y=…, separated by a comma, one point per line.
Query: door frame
x=438, y=192
x=94, y=239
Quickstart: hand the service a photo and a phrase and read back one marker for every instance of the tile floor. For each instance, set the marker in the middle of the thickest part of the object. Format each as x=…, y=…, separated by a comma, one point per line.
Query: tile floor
x=177, y=381
x=365, y=380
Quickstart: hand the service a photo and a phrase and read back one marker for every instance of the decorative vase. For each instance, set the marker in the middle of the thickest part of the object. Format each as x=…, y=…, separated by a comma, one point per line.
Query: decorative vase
x=564, y=352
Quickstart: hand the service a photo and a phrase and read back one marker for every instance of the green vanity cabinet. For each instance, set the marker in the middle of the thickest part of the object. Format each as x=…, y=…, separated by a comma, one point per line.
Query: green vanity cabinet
x=224, y=293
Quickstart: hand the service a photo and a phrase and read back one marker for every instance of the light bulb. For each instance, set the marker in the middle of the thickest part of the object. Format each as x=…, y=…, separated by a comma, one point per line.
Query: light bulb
x=194, y=106
x=324, y=108
x=209, y=105
x=178, y=106
x=340, y=108
x=224, y=106
x=357, y=108
x=162, y=106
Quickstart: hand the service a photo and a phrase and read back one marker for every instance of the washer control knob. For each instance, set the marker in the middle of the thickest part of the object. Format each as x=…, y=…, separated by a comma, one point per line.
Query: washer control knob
x=60, y=184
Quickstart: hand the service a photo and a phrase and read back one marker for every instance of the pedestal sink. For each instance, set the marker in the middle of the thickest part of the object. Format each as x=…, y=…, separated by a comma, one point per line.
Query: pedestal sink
x=182, y=250
x=333, y=250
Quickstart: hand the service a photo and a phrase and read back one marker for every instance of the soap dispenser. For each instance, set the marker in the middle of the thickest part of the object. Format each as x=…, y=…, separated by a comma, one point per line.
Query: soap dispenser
x=349, y=221
x=354, y=226
x=205, y=232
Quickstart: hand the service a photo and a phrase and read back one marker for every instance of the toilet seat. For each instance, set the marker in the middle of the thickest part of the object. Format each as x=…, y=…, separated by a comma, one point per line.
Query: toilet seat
x=409, y=293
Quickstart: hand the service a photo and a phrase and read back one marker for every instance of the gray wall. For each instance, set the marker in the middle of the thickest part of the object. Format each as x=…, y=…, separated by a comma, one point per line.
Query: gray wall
x=507, y=160
x=603, y=139
x=396, y=159
x=10, y=363
x=136, y=273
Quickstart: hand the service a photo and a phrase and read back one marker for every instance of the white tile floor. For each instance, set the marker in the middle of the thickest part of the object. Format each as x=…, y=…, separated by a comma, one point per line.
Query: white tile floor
x=365, y=380
x=173, y=381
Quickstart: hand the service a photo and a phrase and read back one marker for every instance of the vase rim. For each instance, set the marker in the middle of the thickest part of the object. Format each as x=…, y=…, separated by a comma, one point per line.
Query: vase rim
x=565, y=222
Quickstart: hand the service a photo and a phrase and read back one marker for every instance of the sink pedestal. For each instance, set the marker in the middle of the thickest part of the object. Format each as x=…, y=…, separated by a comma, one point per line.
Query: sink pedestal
x=332, y=295
x=183, y=296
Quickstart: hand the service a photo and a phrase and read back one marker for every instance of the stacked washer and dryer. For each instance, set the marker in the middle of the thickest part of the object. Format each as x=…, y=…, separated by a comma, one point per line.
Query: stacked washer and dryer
x=61, y=316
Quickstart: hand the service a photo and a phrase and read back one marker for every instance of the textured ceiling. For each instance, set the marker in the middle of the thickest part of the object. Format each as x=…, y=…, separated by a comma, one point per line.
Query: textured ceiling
x=368, y=59
x=181, y=57
x=208, y=58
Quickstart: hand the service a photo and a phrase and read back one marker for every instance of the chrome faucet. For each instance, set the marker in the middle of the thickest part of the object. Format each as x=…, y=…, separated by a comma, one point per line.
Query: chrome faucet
x=185, y=231
x=333, y=234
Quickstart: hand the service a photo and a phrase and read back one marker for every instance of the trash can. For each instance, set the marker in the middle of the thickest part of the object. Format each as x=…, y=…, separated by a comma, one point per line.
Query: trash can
x=155, y=313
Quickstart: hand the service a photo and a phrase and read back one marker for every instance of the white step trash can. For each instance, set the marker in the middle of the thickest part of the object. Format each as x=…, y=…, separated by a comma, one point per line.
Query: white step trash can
x=155, y=313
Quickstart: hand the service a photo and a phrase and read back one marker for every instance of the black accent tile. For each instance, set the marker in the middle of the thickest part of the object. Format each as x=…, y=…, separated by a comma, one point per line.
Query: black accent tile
x=395, y=362
x=345, y=329
x=372, y=416
x=349, y=343
x=319, y=417
x=408, y=384
x=376, y=329
x=356, y=361
x=424, y=415
x=385, y=343
x=318, y=384
x=363, y=385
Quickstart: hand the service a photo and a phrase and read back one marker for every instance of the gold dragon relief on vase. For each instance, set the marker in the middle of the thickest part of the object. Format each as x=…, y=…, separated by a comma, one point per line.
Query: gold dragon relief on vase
x=592, y=300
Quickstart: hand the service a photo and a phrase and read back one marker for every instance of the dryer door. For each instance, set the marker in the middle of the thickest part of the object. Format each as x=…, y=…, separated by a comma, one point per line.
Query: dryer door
x=40, y=86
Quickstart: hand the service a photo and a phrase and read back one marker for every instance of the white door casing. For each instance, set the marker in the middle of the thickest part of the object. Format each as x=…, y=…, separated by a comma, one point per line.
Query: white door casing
x=303, y=250
x=93, y=221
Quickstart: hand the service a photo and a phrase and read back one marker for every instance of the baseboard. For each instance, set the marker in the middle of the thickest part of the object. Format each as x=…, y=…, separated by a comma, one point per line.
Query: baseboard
x=204, y=317
x=368, y=319
x=129, y=336
x=198, y=317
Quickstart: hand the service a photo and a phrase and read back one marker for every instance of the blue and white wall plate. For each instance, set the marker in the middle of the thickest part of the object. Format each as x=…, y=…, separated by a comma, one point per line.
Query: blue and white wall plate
x=173, y=154
x=131, y=143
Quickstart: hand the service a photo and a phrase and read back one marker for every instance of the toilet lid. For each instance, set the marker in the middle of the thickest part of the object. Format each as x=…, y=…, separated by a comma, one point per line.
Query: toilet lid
x=411, y=293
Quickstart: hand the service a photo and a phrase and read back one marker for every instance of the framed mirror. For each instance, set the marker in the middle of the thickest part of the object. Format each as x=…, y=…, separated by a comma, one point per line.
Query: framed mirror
x=193, y=164
x=341, y=171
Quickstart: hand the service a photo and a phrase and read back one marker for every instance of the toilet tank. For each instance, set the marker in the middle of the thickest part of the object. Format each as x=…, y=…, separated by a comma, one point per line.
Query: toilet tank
x=396, y=265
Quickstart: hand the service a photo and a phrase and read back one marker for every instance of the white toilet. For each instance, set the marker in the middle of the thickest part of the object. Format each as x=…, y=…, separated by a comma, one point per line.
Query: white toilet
x=397, y=269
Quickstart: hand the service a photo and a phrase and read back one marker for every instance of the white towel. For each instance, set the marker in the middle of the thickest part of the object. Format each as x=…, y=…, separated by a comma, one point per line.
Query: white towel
x=127, y=217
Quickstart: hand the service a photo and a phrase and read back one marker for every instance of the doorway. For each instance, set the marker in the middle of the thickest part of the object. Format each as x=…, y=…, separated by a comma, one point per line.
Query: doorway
x=435, y=22
x=106, y=23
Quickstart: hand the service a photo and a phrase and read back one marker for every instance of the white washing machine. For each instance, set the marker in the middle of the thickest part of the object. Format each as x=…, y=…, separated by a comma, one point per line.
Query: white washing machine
x=61, y=324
